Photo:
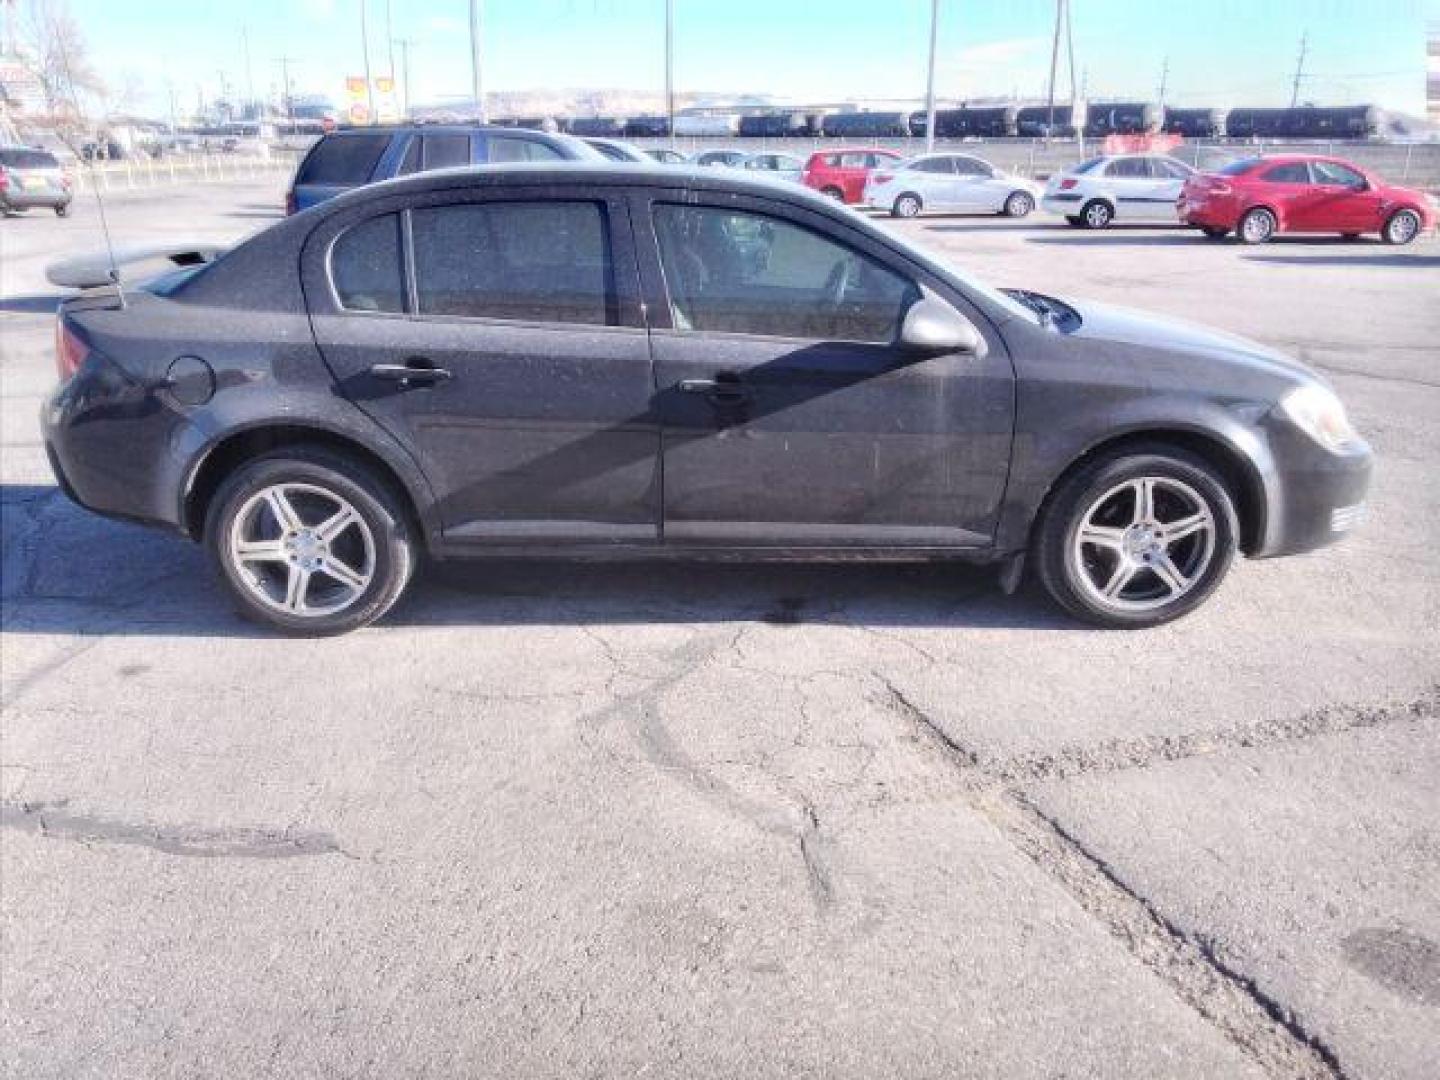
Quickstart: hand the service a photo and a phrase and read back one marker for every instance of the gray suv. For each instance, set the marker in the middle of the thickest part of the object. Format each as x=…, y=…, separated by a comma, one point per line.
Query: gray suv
x=32, y=178
x=353, y=157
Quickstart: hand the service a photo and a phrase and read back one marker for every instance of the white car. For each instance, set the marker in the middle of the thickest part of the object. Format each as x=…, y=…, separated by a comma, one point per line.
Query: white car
x=957, y=182
x=778, y=166
x=1129, y=187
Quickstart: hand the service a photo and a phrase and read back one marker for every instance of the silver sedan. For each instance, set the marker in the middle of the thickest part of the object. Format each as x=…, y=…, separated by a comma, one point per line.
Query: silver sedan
x=952, y=182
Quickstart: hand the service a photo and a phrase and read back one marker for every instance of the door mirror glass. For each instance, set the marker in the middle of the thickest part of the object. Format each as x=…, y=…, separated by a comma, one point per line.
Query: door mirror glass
x=933, y=327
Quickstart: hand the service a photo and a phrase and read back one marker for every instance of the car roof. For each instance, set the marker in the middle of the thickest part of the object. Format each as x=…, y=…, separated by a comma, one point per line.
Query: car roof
x=856, y=150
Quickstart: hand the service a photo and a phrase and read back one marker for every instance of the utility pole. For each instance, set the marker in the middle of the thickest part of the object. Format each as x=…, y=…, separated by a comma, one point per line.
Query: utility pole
x=930, y=79
x=365, y=48
x=285, y=62
x=670, y=70
x=249, y=75
x=405, y=44
x=477, y=88
x=1054, y=61
x=1077, y=118
x=390, y=43
x=1164, y=85
x=1299, y=70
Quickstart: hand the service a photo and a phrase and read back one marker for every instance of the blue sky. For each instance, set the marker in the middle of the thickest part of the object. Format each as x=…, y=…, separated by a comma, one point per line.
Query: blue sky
x=1220, y=52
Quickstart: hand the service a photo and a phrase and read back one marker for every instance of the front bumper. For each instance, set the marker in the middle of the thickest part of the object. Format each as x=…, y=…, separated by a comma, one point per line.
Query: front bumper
x=1317, y=497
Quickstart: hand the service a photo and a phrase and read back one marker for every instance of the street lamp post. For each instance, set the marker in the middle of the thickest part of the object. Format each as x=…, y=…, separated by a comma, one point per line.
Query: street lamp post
x=670, y=70
x=365, y=47
x=930, y=79
x=476, y=87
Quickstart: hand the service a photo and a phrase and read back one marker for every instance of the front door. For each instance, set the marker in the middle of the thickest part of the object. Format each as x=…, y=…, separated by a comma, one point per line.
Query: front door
x=790, y=416
x=507, y=350
x=1341, y=200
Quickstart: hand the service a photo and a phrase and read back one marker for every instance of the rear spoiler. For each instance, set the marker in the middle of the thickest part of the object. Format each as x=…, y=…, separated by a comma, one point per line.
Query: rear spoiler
x=95, y=269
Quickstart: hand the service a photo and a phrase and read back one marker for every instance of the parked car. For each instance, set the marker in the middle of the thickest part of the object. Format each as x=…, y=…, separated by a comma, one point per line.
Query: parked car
x=1127, y=187
x=779, y=166
x=31, y=177
x=666, y=156
x=352, y=157
x=952, y=182
x=1258, y=198
x=841, y=174
x=727, y=158
x=618, y=150
x=488, y=362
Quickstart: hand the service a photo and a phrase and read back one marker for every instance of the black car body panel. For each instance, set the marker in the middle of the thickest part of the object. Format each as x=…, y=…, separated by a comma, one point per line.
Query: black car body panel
x=587, y=440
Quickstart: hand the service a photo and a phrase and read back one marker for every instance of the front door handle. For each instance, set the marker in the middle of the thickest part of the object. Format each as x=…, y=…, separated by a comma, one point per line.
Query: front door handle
x=415, y=371
x=725, y=389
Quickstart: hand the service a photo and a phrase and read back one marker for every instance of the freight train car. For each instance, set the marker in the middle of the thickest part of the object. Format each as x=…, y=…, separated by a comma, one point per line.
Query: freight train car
x=647, y=127
x=978, y=122
x=1194, y=123
x=721, y=125
x=1038, y=121
x=1305, y=122
x=597, y=127
x=866, y=125
x=1121, y=118
x=788, y=125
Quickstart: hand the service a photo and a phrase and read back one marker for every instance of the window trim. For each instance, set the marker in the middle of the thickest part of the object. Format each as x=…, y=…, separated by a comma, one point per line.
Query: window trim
x=405, y=290
x=658, y=198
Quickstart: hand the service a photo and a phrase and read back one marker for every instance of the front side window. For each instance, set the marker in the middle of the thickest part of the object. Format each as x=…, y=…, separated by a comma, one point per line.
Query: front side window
x=526, y=261
x=1332, y=174
x=365, y=266
x=1294, y=173
x=733, y=271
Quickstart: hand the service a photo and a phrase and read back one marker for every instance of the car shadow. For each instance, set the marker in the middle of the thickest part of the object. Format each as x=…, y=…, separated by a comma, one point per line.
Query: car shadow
x=981, y=223
x=1414, y=262
x=39, y=304
x=268, y=215
x=1135, y=235
x=68, y=571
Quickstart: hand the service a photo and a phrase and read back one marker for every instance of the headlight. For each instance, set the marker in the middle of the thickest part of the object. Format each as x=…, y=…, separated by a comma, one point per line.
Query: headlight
x=1315, y=410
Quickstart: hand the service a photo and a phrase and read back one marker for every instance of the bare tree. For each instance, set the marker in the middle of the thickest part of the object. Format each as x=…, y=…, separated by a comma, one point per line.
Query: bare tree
x=61, y=63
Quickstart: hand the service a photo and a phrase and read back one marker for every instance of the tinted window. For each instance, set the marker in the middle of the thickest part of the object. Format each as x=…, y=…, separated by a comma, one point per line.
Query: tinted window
x=739, y=272
x=970, y=167
x=1086, y=166
x=343, y=159
x=529, y=261
x=412, y=157
x=851, y=161
x=933, y=165
x=28, y=159
x=503, y=148
x=365, y=266
x=614, y=153
x=1327, y=172
x=1128, y=167
x=1172, y=169
x=445, y=151
x=1296, y=172
x=1239, y=168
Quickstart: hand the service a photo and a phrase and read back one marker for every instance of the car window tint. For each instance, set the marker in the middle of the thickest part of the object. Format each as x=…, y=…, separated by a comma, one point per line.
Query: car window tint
x=503, y=148
x=343, y=159
x=970, y=167
x=1087, y=166
x=933, y=165
x=1328, y=172
x=734, y=271
x=852, y=161
x=28, y=159
x=411, y=162
x=1239, y=168
x=446, y=151
x=1296, y=172
x=1172, y=170
x=528, y=261
x=1129, y=168
x=365, y=266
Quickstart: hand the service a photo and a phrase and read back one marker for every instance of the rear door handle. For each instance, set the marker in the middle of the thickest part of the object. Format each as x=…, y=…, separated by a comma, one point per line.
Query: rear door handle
x=414, y=370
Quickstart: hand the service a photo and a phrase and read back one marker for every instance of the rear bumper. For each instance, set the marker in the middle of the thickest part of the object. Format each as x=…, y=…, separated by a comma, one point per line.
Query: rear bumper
x=1066, y=203
x=26, y=200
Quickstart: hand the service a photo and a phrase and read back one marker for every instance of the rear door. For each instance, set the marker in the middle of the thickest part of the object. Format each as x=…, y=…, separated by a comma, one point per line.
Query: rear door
x=1286, y=188
x=974, y=185
x=934, y=180
x=790, y=416
x=500, y=336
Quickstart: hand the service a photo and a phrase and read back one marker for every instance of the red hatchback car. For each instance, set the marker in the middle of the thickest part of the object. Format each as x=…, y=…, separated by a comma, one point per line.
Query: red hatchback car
x=1257, y=198
x=841, y=174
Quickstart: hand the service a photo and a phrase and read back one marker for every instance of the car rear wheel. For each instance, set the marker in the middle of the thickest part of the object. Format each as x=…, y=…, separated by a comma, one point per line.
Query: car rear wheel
x=1019, y=204
x=1096, y=214
x=1401, y=227
x=310, y=542
x=1257, y=226
x=906, y=206
x=62, y=210
x=833, y=193
x=1136, y=538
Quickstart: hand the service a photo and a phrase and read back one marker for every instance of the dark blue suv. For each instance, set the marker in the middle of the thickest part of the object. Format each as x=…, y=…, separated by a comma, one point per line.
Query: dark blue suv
x=351, y=158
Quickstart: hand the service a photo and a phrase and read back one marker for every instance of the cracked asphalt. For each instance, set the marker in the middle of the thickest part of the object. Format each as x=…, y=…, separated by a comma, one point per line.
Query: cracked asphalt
x=692, y=821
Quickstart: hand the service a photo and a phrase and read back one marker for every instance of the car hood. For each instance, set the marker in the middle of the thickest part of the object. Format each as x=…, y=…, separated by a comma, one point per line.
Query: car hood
x=1108, y=323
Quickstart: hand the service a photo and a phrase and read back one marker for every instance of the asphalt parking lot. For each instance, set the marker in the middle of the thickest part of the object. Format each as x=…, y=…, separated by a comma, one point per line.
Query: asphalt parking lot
x=717, y=820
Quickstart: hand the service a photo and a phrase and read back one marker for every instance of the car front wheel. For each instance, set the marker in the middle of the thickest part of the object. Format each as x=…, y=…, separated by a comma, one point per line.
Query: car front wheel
x=1401, y=227
x=1137, y=538
x=310, y=542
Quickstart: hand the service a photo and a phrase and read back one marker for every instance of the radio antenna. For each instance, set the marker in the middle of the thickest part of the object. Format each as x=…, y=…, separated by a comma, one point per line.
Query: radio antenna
x=90, y=169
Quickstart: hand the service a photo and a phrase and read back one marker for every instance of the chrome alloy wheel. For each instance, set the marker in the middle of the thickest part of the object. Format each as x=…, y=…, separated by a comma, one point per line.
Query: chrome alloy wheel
x=1257, y=226
x=1143, y=544
x=1401, y=228
x=302, y=549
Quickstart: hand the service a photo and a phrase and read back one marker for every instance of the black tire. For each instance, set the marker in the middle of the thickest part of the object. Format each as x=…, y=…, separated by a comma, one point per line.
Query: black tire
x=376, y=502
x=1060, y=560
x=62, y=210
x=1256, y=226
x=1096, y=214
x=907, y=205
x=1350, y=237
x=1019, y=204
x=833, y=193
x=1401, y=227
x=1214, y=234
x=1074, y=221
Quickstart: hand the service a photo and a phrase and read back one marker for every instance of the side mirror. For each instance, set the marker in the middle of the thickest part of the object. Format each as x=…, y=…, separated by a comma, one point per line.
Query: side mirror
x=932, y=327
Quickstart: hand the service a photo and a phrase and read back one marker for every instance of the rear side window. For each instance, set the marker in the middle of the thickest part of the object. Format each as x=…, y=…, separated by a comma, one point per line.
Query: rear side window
x=970, y=167
x=1086, y=166
x=28, y=159
x=1296, y=172
x=365, y=266
x=343, y=159
x=934, y=165
x=732, y=271
x=1239, y=168
x=503, y=148
x=1129, y=168
x=444, y=151
x=524, y=261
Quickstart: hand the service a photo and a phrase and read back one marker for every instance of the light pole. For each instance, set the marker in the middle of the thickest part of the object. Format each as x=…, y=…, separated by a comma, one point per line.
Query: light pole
x=476, y=87
x=670, y=70
x=405, y=44
x=365, y=47
x=930, y=79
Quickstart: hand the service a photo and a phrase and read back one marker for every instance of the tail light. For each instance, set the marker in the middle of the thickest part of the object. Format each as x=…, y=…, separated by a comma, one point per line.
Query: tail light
x=4, y=178
x=70, y=351
x=66, y=180
x=881, y=177
x=291, y=205
x=1219, y=187
x=1068, y=183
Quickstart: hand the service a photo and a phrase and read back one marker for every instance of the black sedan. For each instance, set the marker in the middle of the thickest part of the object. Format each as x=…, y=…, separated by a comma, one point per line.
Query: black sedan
x=593, y=361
